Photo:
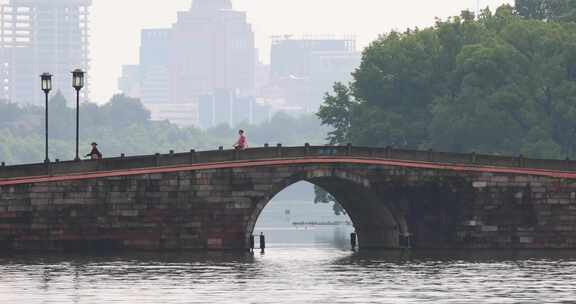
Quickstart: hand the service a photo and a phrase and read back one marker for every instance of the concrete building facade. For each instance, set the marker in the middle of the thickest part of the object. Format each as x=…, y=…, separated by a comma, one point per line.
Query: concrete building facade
x=38, y=36
x=154, y=61
x=129, y=82
x=212, y=54
x=206, y=60
x=212, y=49
x=302, y=70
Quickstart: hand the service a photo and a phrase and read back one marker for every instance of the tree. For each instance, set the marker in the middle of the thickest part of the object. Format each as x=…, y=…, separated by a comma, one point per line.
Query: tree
x=9, y=112
x=323, y=197
x=534, y=9
x=547, y=10
x=62, y=119
x=394, y=79
x=337, y=113
x=501, y=83
x=123, y=111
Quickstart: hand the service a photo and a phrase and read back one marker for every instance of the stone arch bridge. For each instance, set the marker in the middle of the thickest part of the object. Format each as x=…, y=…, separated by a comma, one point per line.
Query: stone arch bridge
x=211, y=200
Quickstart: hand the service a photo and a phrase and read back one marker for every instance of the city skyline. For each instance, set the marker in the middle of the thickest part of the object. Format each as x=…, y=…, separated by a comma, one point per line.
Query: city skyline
x=367, y=19
x=202, y=70
x=115, y=38
x=207, y=56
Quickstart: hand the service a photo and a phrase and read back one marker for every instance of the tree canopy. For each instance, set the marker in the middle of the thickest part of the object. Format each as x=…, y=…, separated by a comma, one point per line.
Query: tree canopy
x=502, y=82
x=547, y=10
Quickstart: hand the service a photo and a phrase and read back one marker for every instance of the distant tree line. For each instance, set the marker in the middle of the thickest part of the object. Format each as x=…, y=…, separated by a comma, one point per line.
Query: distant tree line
x=503, y=82
x=123, y=125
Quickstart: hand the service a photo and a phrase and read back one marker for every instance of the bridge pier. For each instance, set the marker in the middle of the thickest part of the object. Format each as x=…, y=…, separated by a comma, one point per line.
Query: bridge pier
x=378, y=237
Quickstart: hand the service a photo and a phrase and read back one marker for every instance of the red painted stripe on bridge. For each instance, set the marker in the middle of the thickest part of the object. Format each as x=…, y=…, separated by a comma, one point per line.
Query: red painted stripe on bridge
x=287, y=162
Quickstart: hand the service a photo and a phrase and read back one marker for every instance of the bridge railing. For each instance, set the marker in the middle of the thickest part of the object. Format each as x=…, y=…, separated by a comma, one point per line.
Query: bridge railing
x=276, y=152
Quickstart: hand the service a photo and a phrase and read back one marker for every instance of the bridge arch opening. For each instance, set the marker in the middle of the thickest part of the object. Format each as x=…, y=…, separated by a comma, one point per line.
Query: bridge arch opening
x=296, y=218
x=377, y=225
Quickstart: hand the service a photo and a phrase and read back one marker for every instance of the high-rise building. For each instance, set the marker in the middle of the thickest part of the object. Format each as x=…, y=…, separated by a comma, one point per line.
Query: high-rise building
x=295, y=57
x=306, y=68
x=212, y=50
x=195, y=72
x=38, y=36
x=152, y=79
x=129, y=82
x=154, y=61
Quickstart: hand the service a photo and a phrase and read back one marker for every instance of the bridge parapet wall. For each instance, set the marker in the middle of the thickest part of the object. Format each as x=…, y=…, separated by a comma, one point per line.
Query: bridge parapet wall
x=278, y=152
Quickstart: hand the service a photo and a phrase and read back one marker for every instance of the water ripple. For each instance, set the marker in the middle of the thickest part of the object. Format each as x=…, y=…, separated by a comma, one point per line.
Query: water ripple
x=292, y=275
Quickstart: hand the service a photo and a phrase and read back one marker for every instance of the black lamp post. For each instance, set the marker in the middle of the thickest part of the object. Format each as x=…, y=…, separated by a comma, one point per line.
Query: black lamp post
x=78, y=84
x=46, y=81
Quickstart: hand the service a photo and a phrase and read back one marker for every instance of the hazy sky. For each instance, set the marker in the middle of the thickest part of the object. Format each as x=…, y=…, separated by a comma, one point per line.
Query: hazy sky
x=116, y=24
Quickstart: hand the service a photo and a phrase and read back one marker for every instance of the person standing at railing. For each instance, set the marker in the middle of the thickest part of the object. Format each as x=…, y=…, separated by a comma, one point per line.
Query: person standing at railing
x=241, y=144
x=95, y=153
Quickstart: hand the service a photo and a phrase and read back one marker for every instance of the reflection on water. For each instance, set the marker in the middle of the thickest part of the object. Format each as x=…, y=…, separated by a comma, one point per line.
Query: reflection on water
x=310, y=265
x=314, y=274
x=337, y=237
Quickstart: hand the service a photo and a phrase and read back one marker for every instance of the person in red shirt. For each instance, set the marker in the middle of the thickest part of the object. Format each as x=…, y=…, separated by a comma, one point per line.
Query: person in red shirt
x=241, y=143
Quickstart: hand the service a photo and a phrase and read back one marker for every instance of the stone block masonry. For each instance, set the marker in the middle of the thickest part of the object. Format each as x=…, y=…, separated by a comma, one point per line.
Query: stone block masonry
x=215, y=205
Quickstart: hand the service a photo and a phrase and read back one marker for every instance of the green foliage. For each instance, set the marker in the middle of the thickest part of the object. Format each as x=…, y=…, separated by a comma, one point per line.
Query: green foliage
x=394, y=83
x=122, y=112
x=337, y=112
x=123, y=125
x=323, y=197
x=500, y=83
x=547, y=10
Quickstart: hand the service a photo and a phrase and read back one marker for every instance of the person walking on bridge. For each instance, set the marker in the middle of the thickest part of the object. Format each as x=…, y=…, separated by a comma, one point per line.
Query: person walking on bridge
x=95, y=153
x=241, y=144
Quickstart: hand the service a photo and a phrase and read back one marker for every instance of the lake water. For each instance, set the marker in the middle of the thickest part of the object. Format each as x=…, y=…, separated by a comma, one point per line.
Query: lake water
x=315, y=274
x=306, y=264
